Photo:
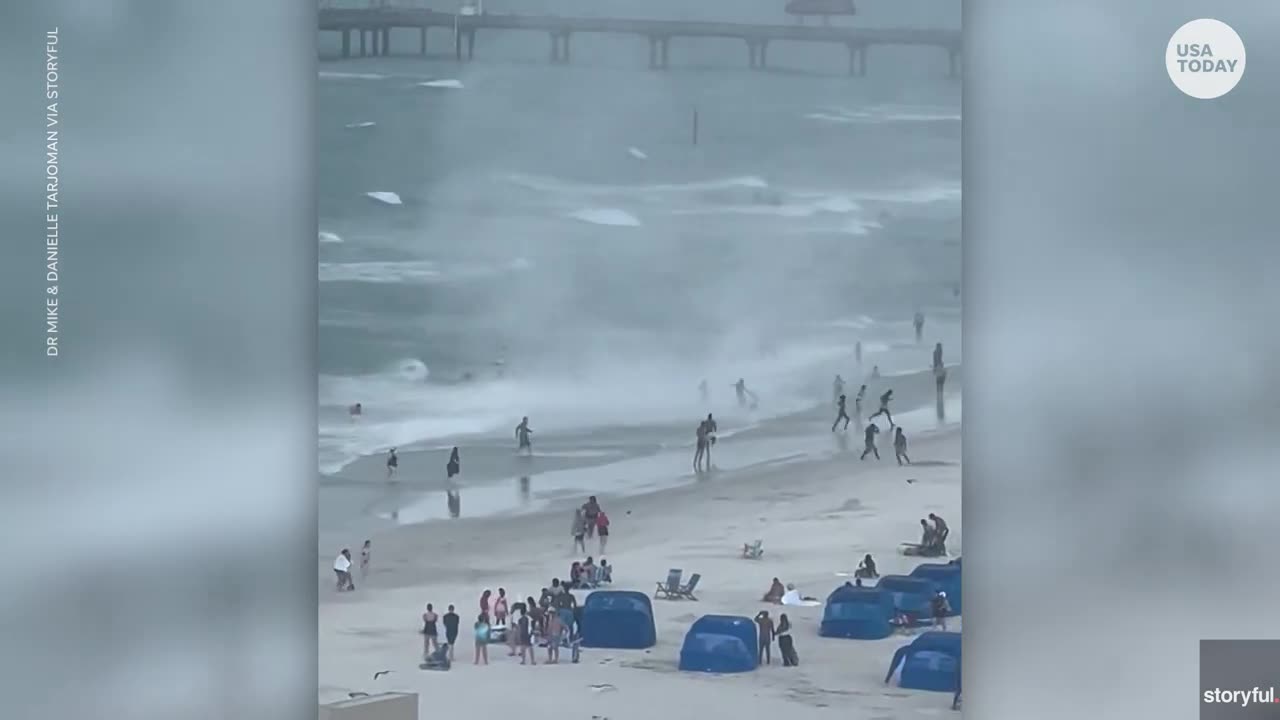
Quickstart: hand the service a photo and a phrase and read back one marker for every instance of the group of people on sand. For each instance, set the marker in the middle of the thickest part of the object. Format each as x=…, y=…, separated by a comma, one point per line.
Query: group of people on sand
x=342, y=566
x=768, y=633
x=705, y=437
x=550, y=621
x=590, y=520
x=934, y=537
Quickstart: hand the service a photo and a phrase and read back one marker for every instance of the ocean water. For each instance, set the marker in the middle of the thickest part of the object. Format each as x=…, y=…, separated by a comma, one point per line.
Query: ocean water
x=506, y=237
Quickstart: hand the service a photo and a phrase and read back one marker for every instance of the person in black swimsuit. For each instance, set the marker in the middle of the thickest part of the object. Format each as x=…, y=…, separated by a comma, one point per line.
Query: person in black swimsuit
x=455, y=464
x=451, y=621
x=430, y=635
x=841, y=414
x=393, y=463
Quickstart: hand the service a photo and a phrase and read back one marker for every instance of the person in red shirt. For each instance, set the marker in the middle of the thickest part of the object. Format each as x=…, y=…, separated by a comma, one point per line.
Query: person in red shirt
x=602, y=529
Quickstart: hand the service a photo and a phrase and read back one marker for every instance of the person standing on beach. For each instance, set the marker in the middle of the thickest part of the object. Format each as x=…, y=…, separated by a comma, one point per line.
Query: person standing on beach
x=918, y=321
x=900, y=446
x=885, y=399
x=430, y=634
x=937, y=356
x=841, y=414
x=591, y=510
x=602, y=530
x=765, y=625
x=393, y=463
x=500, y=608
x=523, y=433
x=484, y=604
x=785, y=644
x=712, y=429
x=451, y=622
x=342, y=568
x=940, y=529
x=869, y=440
x=524, y=640
x=454, y=466
x=481, y=629
x=365, y=552
x=555, y=636
x=700, y=446
x=579, y=531
x=941, y=608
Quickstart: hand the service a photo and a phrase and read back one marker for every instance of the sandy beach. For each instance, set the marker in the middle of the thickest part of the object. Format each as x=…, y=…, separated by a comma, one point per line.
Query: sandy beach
x=817, y=515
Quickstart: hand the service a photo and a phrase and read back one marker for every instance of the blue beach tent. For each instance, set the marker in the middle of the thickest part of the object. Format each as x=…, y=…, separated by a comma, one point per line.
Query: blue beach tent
x=720, y=644
x=930, y=662
x=947, y=577
x=857, y=613
x=911, y=595
x=620, y=619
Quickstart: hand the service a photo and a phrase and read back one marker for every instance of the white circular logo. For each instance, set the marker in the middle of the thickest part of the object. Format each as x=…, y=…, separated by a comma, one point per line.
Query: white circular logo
x=1205, y=58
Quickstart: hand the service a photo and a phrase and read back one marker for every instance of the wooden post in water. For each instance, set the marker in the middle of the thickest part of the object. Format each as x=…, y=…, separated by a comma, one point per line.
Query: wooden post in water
x=695, y=126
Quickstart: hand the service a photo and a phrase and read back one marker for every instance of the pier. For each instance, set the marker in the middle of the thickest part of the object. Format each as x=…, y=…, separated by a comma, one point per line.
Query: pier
x=373, y=28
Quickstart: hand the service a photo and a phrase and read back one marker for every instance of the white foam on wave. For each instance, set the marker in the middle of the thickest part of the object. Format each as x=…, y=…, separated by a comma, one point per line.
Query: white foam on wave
x=808, y=206
x=555, y=185
x=447, y=84
x=380, y=272
x=389, y=198
x=415, y=271
x=882, y=114
x=637, y=153
x=329, y=75
x=934, y=192
x=365, y=124
x=328, y=237
x=606, y=216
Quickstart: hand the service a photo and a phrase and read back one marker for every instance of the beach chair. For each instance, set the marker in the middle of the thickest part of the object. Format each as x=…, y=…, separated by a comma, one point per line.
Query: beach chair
x=687, y=590
x=671, y=588
x=753, y=551
x=438, y=660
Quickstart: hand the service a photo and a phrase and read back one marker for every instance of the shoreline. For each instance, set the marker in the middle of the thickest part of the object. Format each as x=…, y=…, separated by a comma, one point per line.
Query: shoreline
x=600, y=462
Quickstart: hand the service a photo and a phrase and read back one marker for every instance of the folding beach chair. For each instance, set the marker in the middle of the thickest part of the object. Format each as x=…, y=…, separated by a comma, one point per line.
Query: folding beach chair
x=753, y=551
x=687, y=590
x=671, y=588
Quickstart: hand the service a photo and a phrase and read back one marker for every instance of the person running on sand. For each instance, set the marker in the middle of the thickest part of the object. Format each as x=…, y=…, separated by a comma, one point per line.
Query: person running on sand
x=900, y=446
x=342, y=568
x=451, y=622
x=841, y=414
x=765, y=624
x=602, y=530
x=365, y=552
x=579, y=530
x=454, y=466
x=481, y=629
x=869, y=439
x=523, y=434
x=885, y=398
x=430, y=634
x=393, y=463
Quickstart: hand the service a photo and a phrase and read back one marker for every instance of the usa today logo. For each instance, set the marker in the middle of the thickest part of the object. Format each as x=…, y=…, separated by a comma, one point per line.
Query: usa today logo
x=1205, y=58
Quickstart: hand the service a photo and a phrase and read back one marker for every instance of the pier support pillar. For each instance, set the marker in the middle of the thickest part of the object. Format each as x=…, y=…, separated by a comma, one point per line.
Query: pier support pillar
x=953, y=57
x=346, y=42
x=858, y=60
x=753, y=54
x=422, y=40
x=386, y=41
x=658, y=47
x=363, y=42
x=764, y=54
x=375, y=36
x=471, y=44
x=560, y=47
